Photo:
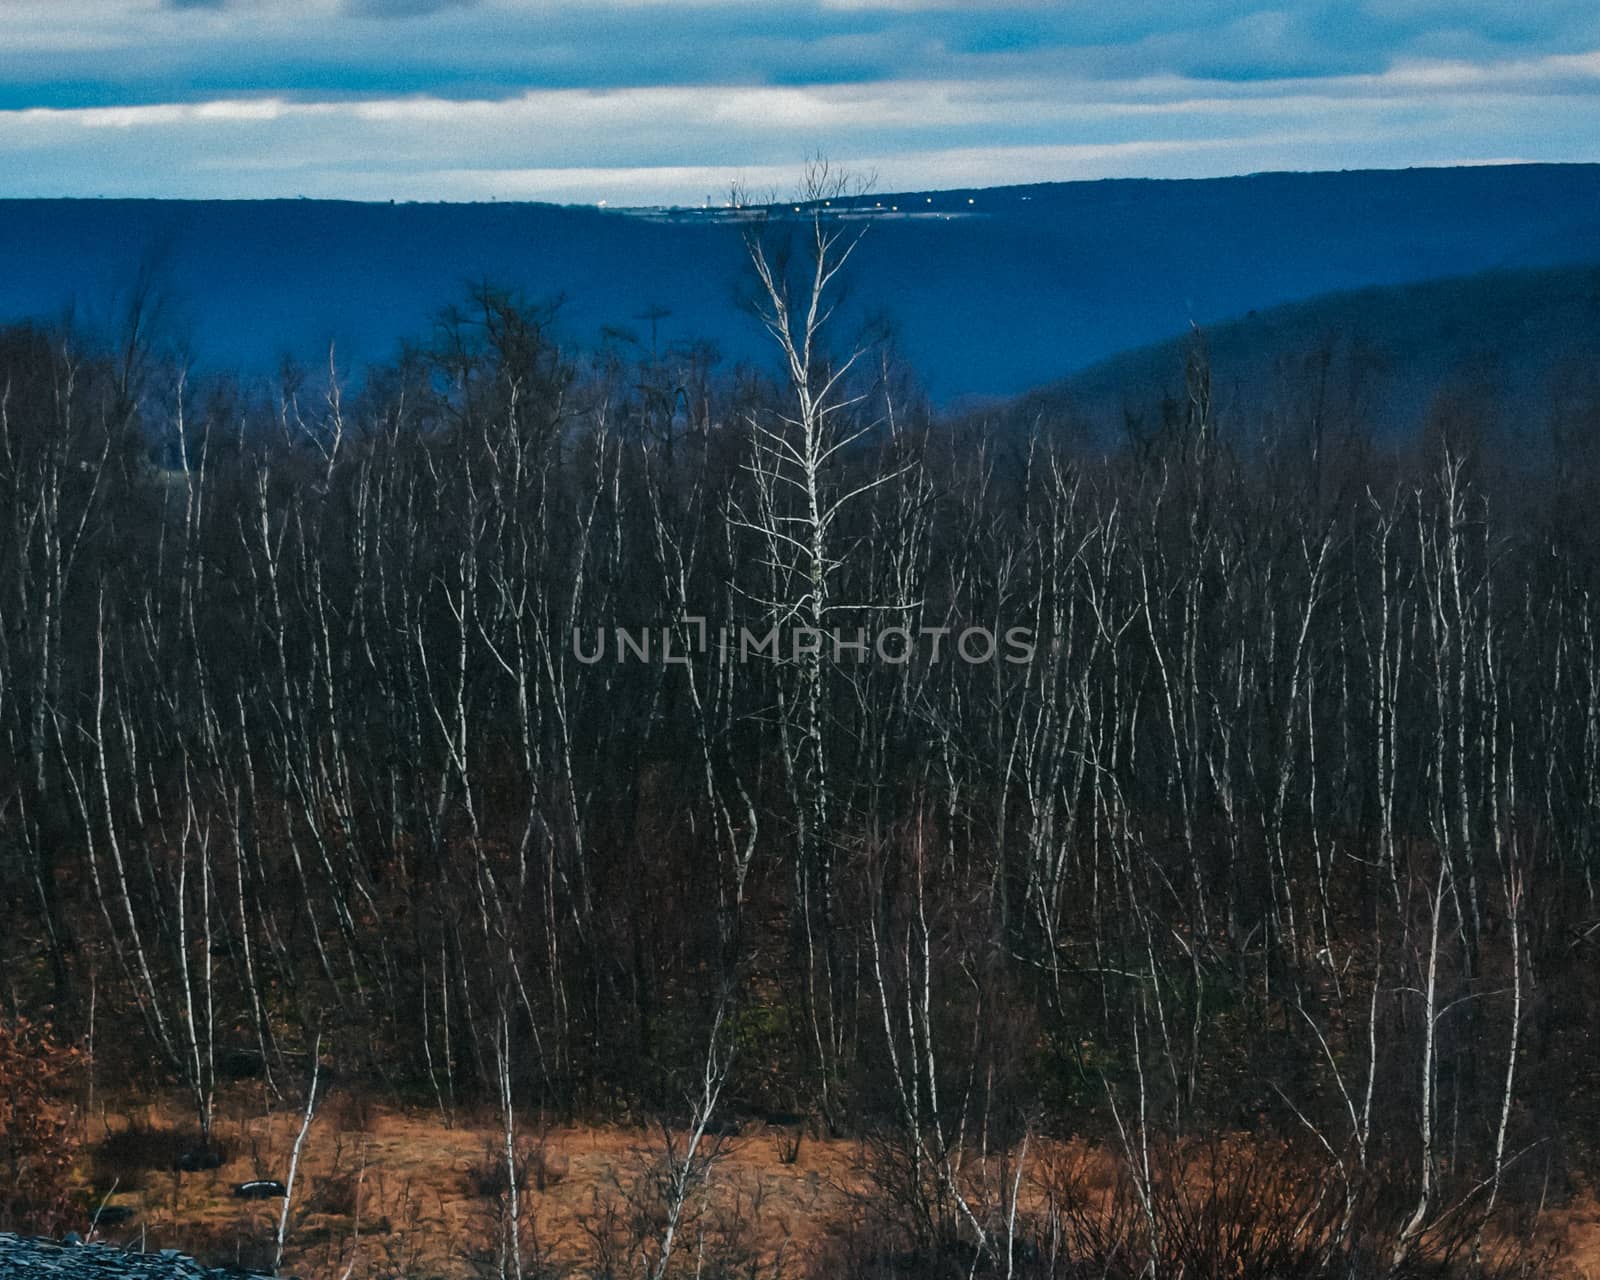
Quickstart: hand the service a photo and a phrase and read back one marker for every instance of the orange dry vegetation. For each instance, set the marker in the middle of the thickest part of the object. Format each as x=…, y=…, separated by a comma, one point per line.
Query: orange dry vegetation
x=38, y=1141
x=1575, y=1229
x=384, y=1192
x=380, y=1190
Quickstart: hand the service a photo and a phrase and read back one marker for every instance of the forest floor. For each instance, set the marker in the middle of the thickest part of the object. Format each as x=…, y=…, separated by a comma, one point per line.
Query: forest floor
x=383, y=1192
x=404, y=1192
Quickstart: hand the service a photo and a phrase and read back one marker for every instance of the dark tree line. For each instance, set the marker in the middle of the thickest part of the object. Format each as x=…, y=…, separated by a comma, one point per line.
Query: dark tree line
x=1286, y=824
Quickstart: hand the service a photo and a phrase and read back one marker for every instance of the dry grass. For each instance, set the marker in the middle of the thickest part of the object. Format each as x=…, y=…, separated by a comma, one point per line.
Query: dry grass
x=387, y=1192
x=399, y=1191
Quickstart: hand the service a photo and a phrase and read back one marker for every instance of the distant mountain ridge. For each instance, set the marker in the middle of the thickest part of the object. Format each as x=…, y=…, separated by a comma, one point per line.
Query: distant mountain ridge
x=1044, y=280
x=1517, y=349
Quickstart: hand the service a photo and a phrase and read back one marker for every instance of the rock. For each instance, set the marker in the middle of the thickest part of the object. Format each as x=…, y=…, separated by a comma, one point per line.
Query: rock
x=71, y=1259
x=260, y=1189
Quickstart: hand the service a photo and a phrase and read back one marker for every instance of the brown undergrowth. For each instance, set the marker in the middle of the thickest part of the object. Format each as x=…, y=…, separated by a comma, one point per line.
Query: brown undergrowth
x=385, y=1192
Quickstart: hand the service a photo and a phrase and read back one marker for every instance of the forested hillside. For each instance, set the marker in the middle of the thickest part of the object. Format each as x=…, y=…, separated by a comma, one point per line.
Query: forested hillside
x=525, y=735
x=988, y=292
x=1513, y=357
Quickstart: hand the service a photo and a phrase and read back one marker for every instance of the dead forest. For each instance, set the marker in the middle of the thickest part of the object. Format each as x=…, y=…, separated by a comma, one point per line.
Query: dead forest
x=1266, y=866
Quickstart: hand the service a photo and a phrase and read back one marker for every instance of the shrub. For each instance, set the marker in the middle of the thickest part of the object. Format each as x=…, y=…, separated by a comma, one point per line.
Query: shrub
x=338, y=1195
x=128, y=1154
x=487, y=1176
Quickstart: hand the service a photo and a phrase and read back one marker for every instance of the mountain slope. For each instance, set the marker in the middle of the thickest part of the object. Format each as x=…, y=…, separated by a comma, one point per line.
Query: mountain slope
x=1516, y=350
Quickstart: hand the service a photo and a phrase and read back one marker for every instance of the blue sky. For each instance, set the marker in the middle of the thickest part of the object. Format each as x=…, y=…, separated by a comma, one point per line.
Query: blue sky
x=651, y=101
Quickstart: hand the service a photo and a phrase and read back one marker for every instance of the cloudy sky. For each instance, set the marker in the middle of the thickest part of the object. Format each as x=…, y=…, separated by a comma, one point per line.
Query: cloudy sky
x=651, y=101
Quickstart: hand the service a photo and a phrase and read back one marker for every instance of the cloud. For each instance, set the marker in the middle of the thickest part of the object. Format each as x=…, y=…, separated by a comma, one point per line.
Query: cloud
x=672, y=143
x=503, y=95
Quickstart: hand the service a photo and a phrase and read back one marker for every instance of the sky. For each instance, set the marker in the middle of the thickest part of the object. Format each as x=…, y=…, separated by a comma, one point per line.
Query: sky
x=634, y=102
